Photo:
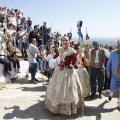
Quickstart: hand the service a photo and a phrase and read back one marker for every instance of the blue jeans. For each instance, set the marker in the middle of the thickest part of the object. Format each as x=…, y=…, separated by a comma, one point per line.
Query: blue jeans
x=115, y=83
x=33, y=70
x=40, y=62
x=24, y=47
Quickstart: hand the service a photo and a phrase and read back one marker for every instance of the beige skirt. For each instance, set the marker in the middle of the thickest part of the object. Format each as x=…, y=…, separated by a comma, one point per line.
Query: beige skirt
x=86, y=80
x=64, y=92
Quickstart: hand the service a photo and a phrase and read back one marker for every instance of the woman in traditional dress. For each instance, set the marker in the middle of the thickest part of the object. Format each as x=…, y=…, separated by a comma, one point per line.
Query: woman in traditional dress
x=82, y=72
x=64, y=92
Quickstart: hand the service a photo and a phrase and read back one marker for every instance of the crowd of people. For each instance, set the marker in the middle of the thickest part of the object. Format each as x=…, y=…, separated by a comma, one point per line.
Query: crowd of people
x=65, y=63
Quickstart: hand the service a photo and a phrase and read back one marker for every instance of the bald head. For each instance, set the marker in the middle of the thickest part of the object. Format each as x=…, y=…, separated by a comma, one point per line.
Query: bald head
x=33, y=41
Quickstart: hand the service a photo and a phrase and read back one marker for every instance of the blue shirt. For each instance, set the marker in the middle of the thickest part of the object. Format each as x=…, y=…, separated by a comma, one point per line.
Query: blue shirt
x=47, y=36
x=113, y=62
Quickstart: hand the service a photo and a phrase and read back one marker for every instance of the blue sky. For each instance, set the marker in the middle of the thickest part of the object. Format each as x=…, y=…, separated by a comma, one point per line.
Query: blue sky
x=102, y=17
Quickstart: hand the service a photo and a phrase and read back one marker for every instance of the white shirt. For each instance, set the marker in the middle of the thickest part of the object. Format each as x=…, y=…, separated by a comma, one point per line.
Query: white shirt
x=53, y=63
x=13, y=21
x=31, y=57
x=107, y=54
x=18, y=21
x=24, y=36
x=21, y=16
x=97, y=58
x=9, y=31
x=5, y=25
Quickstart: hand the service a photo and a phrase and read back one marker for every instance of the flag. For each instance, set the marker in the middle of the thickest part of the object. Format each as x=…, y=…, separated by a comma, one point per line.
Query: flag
x=87, y=37
x=80, y=33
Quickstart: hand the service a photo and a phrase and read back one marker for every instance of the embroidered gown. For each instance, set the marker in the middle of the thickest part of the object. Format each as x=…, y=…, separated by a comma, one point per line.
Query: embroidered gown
x=83, y=71
x=64, y=92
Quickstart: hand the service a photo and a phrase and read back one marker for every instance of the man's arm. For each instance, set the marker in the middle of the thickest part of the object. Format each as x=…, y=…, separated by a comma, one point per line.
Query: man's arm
x=109, y=64
x=107, y=54
x=35, y=49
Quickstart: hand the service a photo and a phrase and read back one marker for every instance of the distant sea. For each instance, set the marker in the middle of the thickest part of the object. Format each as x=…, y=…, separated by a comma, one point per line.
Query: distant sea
x=103, y=41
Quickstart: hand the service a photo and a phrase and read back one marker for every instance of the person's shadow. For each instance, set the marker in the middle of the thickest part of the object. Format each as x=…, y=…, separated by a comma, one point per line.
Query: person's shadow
x=96, y=111
x=38, y=111
x=34, y=89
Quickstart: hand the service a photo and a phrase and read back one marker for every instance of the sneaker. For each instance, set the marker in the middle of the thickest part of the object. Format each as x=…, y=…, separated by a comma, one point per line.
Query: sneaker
x=110, y=98
x=33, y=81
x=7, y=74
x=26, y=76
x=18, y=70
x=47, y=80
x=118, y=108
x=100, y=96
x=92, y=96
x=36, y=80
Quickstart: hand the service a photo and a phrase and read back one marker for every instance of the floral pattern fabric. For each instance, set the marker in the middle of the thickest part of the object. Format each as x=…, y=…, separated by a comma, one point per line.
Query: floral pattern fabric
x=64, y=92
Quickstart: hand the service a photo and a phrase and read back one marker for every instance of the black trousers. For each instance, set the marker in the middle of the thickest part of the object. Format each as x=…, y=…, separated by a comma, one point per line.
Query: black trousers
x=107, y=81
x=97, y=74
x=88, y=69
x=6, y=63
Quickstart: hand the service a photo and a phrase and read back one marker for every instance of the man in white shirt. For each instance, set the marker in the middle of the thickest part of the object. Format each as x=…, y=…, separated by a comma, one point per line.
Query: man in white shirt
x=97, y=56
x=32, y=54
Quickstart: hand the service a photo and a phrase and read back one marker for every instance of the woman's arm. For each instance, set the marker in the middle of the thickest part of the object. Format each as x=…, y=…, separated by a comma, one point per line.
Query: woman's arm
x=20, y=35
x=8, y=53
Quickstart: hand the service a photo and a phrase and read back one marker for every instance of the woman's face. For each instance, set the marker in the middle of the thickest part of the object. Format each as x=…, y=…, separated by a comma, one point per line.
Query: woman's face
x=65, y=42
x=21, y=28
x=87, y=49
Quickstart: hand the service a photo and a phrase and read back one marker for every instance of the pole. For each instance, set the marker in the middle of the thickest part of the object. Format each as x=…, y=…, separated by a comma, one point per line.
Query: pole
x=81, y=47
x=88, y=60
x=70, y=29
x=79, y=25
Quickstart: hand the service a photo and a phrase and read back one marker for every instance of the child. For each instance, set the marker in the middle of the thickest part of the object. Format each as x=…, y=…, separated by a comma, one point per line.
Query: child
x=52, y=63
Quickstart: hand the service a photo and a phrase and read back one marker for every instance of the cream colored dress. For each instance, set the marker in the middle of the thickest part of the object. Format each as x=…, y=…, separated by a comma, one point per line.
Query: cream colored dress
x=64, y=92
x=83, y=77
